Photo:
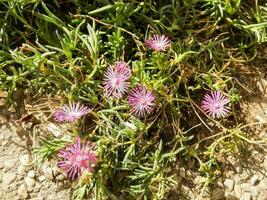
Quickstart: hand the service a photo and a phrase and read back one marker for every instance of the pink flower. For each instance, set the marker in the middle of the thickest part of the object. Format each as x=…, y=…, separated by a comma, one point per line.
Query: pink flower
x=141, y=100
x=116, y=81
x=158, y=43
x=215, y=104
x=70, y=113
x=77, y=158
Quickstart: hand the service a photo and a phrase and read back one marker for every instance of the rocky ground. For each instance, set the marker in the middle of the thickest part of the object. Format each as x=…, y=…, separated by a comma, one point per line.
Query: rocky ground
x=20, y=179
x=246, y=179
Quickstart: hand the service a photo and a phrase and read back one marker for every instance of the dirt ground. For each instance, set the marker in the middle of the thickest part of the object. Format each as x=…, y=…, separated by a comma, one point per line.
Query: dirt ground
x=246, y=179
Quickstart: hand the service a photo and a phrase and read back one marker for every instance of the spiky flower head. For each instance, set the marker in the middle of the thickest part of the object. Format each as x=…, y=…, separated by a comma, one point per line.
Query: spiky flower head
x=71, y=112
x=141, y=100
x=158, y=43
x=77, y=159
x=215, y=104
x=116, y=81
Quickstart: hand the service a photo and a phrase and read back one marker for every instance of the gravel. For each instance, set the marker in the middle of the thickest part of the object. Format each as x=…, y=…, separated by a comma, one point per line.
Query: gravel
x=22, y=191
x=18, y=178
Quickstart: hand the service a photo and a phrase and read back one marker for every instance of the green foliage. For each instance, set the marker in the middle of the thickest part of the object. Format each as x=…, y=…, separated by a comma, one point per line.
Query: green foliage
x=62, y=48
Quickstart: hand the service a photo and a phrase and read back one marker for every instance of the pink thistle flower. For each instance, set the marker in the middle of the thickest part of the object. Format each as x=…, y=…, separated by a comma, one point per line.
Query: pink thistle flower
x=70, y=113
x=77, y=158
x=215, y=104
x=141, y=100
x=158, y=43
x=116, y=81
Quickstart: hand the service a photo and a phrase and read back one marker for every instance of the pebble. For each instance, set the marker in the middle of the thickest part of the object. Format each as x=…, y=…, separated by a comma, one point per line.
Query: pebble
x=3, y=94
x=238, y=191
x=24, y=159
x=30, y=183
x=31, y=174
x=217, y=194
x=246, y=196
x=182, y=172
x=198, y=180
x=3, y=119
x=48, y=172
x=74, y=184
x=8, y=178
x=229, y=184
x=238, y=167
x=37, y=187
x=2, y=101
x=55, y=170
x=12, y=109
x=254, y=180
x=9, y=164
x=60, y=177
x=259, y=119
x=54, y=129
x=264, y=183
x=41, y=178
x=22, y=191
x=21, y=170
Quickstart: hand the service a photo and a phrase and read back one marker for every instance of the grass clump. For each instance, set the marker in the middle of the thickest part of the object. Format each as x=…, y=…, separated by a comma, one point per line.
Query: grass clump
x=63, y=49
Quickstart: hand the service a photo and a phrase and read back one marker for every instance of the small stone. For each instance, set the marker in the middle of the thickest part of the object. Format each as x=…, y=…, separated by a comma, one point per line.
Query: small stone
x=41, y=178
x=238, y=167
x=56, y=170
x=21, y=170
x=48, y=172
x=3, y=119
x=3, y=94
x=8, y=178
x=254, y=180
x=9, y=164
x=264, y=183
x=259, y=119
x=30, y=183
x=54, y=129
x=246, y=196
x=31, y=174
x=60, y=177
x=37, y=187
x=24, y=159
x=182, y=172
x=198, y=179
x=12, y=109
x=238, y=191
x=74, y=184
x=217, y=194
x=2, y=101
x=22, y=191
x=229, y=184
